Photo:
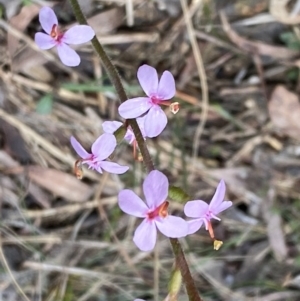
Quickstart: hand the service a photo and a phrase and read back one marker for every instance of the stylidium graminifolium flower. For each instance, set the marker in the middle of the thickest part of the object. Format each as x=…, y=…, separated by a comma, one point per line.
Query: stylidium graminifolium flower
x=154, y=212
x=203, y=212
x=111, y=126
x=158, y=93
x=101, y=149
x=78, y=34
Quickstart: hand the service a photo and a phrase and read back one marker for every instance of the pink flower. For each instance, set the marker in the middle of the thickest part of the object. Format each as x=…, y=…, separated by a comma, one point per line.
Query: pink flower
x=154, y=212
x=203, y=213
x=158, y=92
x=111, y=126
x=78, y=34
x=102, y=148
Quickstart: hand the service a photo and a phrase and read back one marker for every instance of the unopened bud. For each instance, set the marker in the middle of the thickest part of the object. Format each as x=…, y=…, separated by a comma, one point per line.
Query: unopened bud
x=78, y=170
x=174, y=107
x=174, y=284
x=120, y=133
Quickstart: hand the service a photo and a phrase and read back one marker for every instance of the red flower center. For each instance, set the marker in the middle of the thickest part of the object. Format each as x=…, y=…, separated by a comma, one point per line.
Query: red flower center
x=55, y=33
x=160, y=211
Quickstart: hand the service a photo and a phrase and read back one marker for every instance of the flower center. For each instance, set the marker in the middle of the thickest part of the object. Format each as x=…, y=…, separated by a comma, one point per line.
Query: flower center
x=160, y=211
x=55, y=33
x=174, y=106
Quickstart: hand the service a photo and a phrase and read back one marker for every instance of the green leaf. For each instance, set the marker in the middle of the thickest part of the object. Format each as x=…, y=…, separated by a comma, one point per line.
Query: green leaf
x=45, y=104
x=177, y=194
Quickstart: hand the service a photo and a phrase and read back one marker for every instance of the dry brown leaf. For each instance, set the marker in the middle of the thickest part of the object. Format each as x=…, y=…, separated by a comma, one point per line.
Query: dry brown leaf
x=60, y=183
x=256, y=47
x=284, y=110
x=278, y=9
x=20, y=22
x=274, y=227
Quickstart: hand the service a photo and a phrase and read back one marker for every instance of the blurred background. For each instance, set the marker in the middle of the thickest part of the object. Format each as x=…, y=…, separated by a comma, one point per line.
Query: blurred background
x=236, y=65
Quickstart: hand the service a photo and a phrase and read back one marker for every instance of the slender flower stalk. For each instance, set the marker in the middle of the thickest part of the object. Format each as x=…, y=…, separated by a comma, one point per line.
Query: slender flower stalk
x=115, y=78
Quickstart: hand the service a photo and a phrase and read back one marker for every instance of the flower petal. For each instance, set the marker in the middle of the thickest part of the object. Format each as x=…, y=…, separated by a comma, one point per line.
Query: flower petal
x=134, y=107
x=78, y=34
x=131, y=204
x=113, y=167
x=148, y=79
x=81, y=152
x=155, y=122
x=44, y=41
x=68, y=56
x=141, y=123
x=195, y=209
x=223, y=206
x=172, y=226
x=218, y=197
x=166, y=87
x=111, y=126
x=145, y=235
x=47, y=18
x=194, y=225
x=104, y=146
x=155, y=188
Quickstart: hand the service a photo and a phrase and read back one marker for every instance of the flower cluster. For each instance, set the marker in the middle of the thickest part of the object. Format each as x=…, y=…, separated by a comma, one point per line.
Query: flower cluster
x=151, y=120
x=155, y=211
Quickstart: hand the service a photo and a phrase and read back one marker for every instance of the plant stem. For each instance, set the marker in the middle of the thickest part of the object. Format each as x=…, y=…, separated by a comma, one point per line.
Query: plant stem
x=185, y=271
x=116, y=81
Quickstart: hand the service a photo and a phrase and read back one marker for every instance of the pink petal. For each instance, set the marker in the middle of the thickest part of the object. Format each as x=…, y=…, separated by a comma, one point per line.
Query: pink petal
x=47, y=18
x=148, y=79
x=194, y=225
x=113, y=167
x=139, y=300
x=141, y=123
x=104, y=146
x=218, y=197
x=131, y=204
x=44, y=41
x=111, y=126
x=81, y=152
x=195, y=209
x=223, y=206
x=68, y=56
x=166, y=86
x=155, y=187
x=78, y=34
x=134, y=107
x=129, y=136
x=145, y=236
x=172, y=226
x=156, y=121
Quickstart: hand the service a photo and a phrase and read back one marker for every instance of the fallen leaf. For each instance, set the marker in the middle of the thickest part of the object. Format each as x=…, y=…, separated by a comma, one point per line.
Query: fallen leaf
x=284, y=110
x=256, y=47
x=278, y=9
x=274, y=227
x=59, y=183
x=20, y=22
x=8, y=163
